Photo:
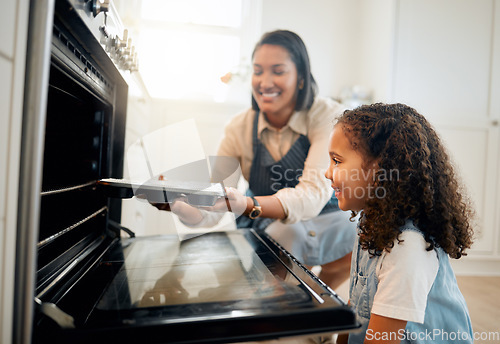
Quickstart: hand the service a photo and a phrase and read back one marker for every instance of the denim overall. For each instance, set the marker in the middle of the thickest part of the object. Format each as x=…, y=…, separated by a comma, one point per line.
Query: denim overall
x=446, y=316
x=333, y=236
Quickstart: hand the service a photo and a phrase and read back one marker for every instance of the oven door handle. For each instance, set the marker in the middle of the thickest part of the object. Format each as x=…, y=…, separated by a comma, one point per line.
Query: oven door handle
x=55, y=313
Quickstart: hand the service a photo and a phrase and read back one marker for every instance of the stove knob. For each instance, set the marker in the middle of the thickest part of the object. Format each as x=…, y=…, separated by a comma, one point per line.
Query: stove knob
x=99, y=6
x=128, y=48
x=123, y=42
x=135, y=64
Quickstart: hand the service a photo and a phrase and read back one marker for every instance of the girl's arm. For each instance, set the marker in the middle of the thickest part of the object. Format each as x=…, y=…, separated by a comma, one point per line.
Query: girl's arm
x=384, y=330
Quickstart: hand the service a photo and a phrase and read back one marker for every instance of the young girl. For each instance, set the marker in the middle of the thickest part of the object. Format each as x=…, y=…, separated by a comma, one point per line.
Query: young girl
x=388, y=164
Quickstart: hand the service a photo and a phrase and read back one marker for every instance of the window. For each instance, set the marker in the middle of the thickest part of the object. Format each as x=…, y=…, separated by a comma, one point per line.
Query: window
x=186, y=46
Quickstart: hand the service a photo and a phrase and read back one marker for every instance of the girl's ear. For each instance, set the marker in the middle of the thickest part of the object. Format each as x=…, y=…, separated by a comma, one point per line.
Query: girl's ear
x=301, y=84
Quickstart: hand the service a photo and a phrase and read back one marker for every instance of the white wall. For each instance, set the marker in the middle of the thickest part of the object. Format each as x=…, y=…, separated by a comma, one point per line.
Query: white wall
x=377, y=21
x=330, y=35
x=332, y=31
x=350, y=43
x=210, y=118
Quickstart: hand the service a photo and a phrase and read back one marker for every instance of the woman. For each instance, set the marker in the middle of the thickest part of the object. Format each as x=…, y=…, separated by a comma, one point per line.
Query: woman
x=281, y=144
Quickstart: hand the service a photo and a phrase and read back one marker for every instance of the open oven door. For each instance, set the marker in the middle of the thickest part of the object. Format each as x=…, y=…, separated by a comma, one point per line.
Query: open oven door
x=219, y=287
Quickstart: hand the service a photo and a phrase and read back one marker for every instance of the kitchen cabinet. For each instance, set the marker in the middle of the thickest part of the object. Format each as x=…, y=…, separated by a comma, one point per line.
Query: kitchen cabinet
x=7, y=28
x=5, y=69
x=13, y=36
x=447, y=66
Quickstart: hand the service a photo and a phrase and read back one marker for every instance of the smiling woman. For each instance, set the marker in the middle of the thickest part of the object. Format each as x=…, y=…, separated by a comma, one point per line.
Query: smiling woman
x=274, y=83
x=186, y=46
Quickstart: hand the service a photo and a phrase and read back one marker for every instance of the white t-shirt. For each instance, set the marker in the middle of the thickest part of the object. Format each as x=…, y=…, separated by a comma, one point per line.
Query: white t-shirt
x=405, y=275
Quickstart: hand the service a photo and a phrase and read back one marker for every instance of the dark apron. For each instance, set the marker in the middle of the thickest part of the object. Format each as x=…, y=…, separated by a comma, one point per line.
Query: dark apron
x=267, y=176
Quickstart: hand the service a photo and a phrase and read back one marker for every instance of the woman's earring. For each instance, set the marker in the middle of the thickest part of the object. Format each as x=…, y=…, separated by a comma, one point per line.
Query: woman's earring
x=301, y=84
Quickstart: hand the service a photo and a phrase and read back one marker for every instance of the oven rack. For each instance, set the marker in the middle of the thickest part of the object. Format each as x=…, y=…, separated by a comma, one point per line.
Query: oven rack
x=67, y=189
x=70, y=228
x=74, y=243
x=85, y=261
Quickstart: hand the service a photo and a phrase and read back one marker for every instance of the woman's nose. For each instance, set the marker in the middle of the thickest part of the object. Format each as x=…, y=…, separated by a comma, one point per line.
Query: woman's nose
x=266, y=80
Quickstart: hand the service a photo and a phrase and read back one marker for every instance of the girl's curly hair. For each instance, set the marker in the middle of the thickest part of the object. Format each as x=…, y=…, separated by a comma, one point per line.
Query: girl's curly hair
x=426, y=189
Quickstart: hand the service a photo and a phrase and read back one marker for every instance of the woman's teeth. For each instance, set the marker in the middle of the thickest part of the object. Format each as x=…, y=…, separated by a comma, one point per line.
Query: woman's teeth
x=275, y=94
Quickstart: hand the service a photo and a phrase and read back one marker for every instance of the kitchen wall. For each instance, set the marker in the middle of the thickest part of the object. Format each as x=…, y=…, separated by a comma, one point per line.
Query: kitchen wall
x=329, y=40
x=350, y=44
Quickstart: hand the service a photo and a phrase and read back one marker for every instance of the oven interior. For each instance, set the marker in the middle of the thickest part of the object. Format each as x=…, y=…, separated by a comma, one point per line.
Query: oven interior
x=76, y=150
x=84, y=138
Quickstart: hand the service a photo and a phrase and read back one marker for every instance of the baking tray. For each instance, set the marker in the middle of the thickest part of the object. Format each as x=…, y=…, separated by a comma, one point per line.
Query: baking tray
x=164, y=191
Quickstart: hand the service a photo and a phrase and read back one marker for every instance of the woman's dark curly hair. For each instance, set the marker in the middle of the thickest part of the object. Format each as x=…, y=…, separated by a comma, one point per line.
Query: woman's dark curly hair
x=426, y=189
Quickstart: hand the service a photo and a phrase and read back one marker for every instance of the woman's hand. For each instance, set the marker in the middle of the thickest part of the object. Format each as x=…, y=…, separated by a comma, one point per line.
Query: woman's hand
x=235, y=202
x=186, y=213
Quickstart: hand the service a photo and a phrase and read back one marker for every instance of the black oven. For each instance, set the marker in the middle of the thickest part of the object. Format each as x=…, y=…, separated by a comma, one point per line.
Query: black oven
x=80, y=279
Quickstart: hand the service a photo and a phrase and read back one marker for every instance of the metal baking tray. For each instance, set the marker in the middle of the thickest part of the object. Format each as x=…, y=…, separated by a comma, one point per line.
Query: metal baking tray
x=164, y=191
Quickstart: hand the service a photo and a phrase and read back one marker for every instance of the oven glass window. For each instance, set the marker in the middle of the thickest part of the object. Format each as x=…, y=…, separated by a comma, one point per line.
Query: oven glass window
x=215, y=267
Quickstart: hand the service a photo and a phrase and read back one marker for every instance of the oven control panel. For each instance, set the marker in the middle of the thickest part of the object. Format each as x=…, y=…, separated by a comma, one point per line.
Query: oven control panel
x=121, y=50
x=102, y=18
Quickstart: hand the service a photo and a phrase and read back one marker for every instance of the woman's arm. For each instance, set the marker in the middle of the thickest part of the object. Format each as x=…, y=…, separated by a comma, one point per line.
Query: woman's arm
x=242, y=205
x=189, y=215
x=313, y=191
x=384, y=330
x=271, y=207
x=343, y=338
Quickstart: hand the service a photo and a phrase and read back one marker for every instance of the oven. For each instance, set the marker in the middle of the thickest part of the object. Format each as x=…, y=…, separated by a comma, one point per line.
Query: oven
x=81, y=276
